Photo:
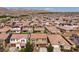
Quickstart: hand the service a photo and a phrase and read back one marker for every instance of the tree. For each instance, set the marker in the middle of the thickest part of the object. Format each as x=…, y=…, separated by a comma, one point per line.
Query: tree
x=50, y=48
x=28, y=48
x=75, y=48
x=1, y=48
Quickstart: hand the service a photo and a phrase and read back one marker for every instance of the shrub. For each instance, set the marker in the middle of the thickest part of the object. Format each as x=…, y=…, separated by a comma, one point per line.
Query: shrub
x=28, y=48
x=50, y=48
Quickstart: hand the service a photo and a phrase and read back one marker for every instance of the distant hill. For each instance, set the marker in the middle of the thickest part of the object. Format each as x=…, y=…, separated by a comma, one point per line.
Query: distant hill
x=4, y=11
x=19, y=11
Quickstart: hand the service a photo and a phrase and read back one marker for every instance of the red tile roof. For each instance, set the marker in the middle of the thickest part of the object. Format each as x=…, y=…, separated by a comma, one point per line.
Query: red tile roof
x=19, y=36
x=53, y=29
x=57, y=39
x=5, y=29
x=3, y=36
x=36, y=35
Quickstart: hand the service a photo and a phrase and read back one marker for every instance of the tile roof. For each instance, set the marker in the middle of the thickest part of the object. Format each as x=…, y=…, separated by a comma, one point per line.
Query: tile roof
x=5, y=29
x=3, y=36
x=53, y=29
x=36, y=35
x=19, y=36
x=57, y=39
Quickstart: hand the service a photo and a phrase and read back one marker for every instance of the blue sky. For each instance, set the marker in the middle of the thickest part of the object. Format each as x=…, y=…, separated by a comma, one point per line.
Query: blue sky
x=56, y=9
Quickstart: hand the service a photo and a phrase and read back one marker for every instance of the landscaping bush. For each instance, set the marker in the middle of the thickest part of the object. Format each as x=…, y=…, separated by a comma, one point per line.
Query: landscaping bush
x=29, y=48
x=50, y=48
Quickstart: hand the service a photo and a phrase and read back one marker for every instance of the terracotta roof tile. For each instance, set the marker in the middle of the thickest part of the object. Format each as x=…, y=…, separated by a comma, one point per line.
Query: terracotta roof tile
x=19, y=36
x=57, y=39
x=36, y=35
x=4, y=36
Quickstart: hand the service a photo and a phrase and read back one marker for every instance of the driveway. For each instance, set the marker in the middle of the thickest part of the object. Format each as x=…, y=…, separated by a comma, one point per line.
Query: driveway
x=13, y=49
x=57, y=48
x=43, y=49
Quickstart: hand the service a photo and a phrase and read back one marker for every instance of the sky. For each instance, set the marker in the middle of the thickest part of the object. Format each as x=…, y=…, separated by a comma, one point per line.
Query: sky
x=55, y=9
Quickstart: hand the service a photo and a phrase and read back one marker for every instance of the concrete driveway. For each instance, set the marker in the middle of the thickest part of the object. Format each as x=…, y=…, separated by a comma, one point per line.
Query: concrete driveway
x=56, y=48
x=43, y=49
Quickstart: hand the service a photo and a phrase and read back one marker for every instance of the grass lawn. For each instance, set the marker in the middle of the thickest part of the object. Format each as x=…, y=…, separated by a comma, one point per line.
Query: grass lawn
x=25, y=33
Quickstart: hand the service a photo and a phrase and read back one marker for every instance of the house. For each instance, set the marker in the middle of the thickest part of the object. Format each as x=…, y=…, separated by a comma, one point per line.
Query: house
x=4, y=40
x=40, y=40
x=18, y=40
x=68, y=28
x=4, y=30
x=52, y=30
x=57, y=41
x=16, y=29
x=75, y=39
x=27, y=29
x=39, y=30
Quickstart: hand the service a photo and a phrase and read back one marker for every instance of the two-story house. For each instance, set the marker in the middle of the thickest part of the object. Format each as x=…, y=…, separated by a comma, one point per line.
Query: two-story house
x=18, y=40
x=39, y=40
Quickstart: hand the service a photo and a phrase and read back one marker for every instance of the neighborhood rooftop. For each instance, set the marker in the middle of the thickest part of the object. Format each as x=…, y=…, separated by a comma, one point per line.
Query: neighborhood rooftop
x=42, y=29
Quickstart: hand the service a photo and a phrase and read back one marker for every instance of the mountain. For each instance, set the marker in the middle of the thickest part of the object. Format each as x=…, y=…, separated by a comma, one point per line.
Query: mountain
x=18, y=11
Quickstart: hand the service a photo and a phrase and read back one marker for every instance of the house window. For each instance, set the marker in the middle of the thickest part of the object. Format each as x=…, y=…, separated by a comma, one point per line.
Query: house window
x=22, y=46
x=22, y=40
x=12, y=39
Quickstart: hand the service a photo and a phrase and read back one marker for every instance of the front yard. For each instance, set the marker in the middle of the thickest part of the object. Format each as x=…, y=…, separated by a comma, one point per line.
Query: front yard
x=24, y=32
